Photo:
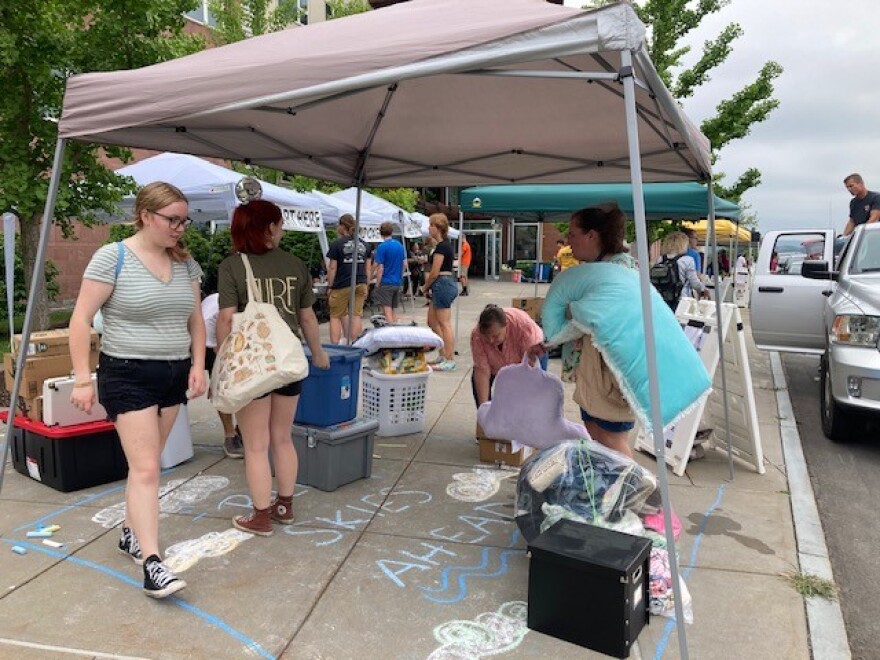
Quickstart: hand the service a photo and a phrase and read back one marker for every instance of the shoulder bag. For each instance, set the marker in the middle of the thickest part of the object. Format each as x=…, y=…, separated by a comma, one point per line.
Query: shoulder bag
x=260, y=355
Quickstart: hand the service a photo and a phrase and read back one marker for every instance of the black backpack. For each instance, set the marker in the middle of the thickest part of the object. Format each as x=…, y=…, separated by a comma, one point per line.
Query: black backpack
x=667, y=280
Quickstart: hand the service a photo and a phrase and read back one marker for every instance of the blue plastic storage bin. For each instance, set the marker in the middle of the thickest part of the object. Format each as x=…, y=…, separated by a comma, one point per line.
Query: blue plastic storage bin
x=331, y=397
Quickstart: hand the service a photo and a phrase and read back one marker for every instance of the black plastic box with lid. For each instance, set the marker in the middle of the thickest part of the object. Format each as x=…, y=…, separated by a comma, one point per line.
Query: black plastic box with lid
x=589, y=586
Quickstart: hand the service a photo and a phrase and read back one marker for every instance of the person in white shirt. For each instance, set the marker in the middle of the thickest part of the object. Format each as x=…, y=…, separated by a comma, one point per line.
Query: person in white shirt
x=232, y=443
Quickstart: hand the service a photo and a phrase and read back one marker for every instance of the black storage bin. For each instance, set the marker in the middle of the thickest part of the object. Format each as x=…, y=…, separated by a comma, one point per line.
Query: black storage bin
x=589, y=586
x=67, y=457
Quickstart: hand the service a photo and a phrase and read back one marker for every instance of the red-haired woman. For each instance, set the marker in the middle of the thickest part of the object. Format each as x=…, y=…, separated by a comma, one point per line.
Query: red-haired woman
x=283, y=280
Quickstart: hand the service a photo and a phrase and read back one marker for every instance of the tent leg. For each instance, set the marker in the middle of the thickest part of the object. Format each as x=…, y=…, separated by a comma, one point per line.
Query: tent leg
x=635, y=165
x=461, y=238
x=724, y=393
x=39, y=272
x=355, y=245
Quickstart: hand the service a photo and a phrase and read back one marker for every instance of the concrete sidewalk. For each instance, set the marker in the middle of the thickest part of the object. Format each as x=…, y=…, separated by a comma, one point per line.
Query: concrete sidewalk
x=396, y=566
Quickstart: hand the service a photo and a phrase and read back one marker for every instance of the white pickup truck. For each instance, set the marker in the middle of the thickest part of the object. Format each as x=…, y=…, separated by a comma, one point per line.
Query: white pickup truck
x=814, y=293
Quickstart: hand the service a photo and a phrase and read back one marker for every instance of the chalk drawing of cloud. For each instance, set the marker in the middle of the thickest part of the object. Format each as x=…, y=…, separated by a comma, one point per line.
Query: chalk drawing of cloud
x=187, y=554
x=174, y=497
x=490, y=633
x=478, y=485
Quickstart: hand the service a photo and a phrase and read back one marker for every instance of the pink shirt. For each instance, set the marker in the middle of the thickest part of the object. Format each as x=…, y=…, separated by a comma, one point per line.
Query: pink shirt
x=522, y=332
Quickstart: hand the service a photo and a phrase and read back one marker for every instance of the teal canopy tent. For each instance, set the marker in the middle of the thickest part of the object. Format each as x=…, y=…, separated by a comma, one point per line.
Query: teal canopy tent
x=662, y=200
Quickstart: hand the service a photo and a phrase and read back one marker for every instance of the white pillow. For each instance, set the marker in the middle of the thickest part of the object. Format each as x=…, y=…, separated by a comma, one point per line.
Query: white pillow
x=398, y=336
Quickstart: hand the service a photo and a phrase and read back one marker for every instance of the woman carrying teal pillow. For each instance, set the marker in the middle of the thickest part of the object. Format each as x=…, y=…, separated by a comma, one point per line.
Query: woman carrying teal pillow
x=597, y=304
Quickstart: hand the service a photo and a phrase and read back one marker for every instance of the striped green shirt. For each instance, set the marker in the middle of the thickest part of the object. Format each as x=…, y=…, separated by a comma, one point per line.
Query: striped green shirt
x=144, y=318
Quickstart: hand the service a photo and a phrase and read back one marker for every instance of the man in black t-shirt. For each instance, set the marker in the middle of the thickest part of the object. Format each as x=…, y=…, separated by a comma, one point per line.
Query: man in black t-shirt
x=864, y=206
x=340, y=256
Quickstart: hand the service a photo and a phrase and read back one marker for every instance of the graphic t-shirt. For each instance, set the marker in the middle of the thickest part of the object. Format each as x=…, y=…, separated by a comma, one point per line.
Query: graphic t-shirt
x=282, y=279
x=391, y=255
x=341, y=252
x=860, y=209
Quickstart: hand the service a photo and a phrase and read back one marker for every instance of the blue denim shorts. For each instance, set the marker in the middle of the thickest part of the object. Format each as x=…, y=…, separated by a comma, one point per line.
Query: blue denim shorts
x=443, y=291
x=125, y=385
x=605, y=425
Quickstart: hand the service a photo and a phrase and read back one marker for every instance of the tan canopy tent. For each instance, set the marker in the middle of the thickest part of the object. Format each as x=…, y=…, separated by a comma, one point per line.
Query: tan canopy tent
x=424, y=93
x=428, y=92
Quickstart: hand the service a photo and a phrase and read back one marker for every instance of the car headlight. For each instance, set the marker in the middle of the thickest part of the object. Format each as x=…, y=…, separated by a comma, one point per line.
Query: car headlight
x=856, y=330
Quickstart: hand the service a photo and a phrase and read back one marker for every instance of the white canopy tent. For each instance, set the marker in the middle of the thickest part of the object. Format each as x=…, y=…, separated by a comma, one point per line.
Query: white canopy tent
x=368, y=227
x=409, y=227
x=422, y=219
x=210, y=190
x=428, y=92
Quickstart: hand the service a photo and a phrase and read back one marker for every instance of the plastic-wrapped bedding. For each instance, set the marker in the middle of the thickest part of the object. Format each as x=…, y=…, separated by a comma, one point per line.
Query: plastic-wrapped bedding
x=586, y=481
x=398, y=336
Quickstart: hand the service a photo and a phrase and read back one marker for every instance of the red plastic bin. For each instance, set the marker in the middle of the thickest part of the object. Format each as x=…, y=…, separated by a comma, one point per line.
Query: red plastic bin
x=67, y=458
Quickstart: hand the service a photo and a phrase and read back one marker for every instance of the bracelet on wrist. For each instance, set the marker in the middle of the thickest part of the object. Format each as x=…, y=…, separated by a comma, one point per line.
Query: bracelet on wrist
x=85, y=383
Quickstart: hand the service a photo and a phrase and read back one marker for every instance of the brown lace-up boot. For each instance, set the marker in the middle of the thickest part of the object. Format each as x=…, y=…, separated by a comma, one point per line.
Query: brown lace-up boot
x=282, y=509
x=258, y=521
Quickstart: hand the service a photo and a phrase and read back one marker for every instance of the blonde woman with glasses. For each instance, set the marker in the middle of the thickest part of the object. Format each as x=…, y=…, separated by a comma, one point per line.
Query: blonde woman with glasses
x=152, y=357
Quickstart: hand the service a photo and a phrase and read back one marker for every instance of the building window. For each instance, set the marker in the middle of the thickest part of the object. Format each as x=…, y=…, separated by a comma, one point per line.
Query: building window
x=202, y=14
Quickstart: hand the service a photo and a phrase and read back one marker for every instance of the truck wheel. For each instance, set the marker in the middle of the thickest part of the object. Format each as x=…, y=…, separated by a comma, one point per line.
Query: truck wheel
x=838, y=424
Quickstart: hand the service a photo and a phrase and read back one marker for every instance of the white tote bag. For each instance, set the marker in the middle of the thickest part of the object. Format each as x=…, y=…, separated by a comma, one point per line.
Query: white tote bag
x=260, y=355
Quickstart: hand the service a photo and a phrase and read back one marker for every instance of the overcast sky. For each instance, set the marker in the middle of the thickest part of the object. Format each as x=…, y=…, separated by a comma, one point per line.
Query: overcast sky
x=828, y=122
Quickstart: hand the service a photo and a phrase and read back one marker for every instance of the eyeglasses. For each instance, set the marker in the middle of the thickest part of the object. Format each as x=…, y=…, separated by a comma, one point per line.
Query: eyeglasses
x=173, y=221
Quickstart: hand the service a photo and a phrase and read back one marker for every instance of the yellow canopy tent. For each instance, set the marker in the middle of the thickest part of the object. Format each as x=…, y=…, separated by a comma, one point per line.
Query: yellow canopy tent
x=724, y=229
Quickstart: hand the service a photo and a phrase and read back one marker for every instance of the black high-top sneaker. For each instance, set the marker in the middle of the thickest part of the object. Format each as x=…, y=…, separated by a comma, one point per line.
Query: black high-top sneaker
x=128, y=545
x=159, y=581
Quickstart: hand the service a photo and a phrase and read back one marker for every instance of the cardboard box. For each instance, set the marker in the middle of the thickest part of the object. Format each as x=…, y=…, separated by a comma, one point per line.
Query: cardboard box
x=32, y=408
x=531, y=306
x=47, y=343
x=500, y=451
x=38, y=369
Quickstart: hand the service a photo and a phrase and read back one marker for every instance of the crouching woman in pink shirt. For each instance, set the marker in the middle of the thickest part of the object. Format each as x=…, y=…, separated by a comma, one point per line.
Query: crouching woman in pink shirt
x=502, y=337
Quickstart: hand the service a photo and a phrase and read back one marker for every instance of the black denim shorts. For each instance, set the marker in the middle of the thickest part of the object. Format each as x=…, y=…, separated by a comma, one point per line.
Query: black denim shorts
x=125, y=385
x=291, y=389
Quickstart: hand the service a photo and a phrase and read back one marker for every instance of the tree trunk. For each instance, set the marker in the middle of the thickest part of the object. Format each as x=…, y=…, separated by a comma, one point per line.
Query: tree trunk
x=30, y=240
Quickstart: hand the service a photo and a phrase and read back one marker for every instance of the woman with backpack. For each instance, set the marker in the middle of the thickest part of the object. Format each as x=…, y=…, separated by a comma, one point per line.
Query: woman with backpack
x=152, y=357
x=675, y=275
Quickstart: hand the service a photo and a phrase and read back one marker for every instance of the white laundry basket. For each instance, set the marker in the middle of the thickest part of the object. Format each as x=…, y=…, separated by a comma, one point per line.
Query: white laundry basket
x=396, y=400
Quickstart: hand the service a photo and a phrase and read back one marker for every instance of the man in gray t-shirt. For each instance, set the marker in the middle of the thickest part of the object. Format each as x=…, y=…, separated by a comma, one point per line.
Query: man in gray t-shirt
x=864, y=206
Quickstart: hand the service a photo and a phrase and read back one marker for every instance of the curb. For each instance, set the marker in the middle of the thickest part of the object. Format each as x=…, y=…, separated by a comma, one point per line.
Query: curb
x=827, y=632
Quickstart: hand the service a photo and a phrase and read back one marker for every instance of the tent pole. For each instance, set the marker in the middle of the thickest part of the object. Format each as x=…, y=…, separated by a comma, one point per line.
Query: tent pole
x=724, y=391
x=36, y=277
x=9, y=222
x=355, y=252
x=461, y=240
x=539, y=248
x=635, y=166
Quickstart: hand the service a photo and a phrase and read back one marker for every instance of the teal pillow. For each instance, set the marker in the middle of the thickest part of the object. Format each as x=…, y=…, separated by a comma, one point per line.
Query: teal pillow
x=605, y=301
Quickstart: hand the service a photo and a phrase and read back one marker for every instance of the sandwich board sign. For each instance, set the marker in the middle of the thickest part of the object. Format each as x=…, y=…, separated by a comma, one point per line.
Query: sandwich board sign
x=700, y=324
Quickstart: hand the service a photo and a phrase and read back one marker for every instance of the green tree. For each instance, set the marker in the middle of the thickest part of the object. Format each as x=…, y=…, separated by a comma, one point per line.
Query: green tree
x=42, y=42
x=670, y=23
x=240, y=19
x=340, y=8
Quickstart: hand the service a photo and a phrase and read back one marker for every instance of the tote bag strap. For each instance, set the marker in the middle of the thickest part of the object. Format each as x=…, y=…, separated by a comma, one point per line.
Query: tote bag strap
x=253, y=291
